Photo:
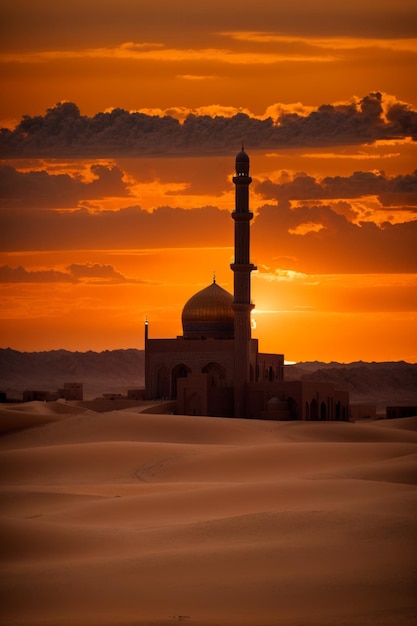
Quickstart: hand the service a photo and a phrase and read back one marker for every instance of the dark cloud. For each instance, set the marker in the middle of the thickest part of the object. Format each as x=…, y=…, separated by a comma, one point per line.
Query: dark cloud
x=64, y=132
x=41, y=189
x=392, y=191
x=331, y=243
x=127, y=228
x=95, y=271
x=88, y=272
x=21, y=275
x=313, y=239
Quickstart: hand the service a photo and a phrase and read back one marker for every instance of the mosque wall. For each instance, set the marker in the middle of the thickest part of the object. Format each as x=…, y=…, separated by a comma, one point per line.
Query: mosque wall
x=198, y=394
x=305, y=400
x=270, y=367
x=168, y=360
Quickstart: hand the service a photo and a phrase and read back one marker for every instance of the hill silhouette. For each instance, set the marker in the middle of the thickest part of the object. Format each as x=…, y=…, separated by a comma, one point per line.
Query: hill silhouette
x=385, y=383
x=111, y=371
x=115, y=371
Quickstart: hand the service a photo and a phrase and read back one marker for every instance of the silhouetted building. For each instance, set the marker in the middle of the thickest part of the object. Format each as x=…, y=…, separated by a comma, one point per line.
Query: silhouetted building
x=394, y=412
x=362, y=411
x=215, y=367
x=71, y=391
x=31, y=395
x=136, y=394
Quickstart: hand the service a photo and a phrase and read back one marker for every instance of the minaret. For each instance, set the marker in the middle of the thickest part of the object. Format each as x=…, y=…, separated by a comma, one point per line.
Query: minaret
x=147, y=368
x=242, y=268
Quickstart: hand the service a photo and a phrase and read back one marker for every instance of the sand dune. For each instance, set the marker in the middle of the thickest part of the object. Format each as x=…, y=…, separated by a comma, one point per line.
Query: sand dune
x=28, y=415
x=128, y=519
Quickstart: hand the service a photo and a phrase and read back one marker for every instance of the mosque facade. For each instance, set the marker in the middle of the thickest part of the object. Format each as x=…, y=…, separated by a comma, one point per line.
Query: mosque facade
x=215, y=368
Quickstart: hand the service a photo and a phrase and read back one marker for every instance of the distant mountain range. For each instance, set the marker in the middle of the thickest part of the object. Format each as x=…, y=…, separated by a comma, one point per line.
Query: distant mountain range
x=385, y=383
x=111, y=371
x=115, y=371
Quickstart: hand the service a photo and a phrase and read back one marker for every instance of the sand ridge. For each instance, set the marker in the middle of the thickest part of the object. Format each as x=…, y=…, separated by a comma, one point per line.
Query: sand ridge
x=130, y=519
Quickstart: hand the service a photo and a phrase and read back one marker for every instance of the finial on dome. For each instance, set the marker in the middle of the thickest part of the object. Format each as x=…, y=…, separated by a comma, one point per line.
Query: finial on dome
x=214, y=277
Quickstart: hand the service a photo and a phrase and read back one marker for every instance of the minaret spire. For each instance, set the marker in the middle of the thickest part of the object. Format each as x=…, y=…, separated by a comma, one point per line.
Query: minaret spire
x=242, y=268
x=147, y=364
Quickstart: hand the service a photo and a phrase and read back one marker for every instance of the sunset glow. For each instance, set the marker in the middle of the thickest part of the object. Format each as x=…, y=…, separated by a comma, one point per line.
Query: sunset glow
x=121, y=121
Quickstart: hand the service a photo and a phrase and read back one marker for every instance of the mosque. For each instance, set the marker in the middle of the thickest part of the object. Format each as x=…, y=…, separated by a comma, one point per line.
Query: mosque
x=215, y=368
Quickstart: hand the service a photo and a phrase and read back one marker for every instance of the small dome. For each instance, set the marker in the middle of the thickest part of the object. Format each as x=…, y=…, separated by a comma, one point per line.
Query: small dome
x=242, y=163
x=208, y=314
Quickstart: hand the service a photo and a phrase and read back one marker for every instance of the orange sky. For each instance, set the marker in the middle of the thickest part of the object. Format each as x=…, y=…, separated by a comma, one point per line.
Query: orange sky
x=108, y=218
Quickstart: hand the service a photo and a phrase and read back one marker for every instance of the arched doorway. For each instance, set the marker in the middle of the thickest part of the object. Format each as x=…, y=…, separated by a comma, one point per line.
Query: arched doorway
x=216, y=374
x=179, y=371
x=323, y=411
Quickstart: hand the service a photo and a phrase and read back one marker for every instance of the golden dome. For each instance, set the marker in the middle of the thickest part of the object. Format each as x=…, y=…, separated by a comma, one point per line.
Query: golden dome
x=208, y=314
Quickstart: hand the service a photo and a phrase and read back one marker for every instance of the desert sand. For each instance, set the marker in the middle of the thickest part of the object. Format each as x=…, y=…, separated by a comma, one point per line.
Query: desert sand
x=129, y=519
